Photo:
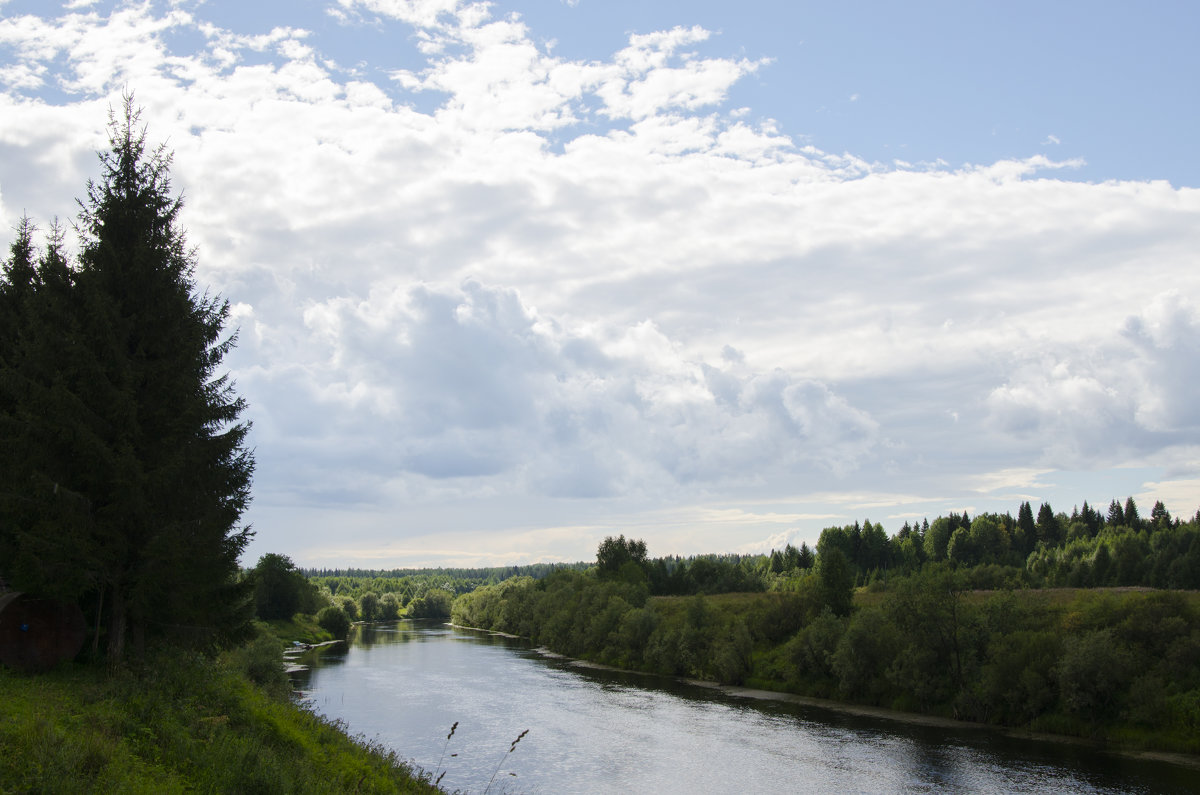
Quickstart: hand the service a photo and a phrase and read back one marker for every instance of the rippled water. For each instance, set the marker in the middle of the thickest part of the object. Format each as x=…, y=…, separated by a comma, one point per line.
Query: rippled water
x=594, y=731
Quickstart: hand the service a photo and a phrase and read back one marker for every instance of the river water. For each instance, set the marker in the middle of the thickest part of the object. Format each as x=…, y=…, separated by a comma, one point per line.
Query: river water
x=595, y=731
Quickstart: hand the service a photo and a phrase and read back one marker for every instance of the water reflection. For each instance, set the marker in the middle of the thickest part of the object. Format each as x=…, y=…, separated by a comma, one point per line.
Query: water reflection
x=591, y=730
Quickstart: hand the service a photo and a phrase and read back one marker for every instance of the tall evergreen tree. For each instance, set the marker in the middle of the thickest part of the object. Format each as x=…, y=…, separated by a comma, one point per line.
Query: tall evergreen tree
x=17, y=281
x=1131, y=514
x=146, y=458
x=1116, y=516
x=1160, y=517
x=1092, y=519
x=806, y=559
x=1048, y=529
x=46, y=432
x=1026, y=529
x=16, y=291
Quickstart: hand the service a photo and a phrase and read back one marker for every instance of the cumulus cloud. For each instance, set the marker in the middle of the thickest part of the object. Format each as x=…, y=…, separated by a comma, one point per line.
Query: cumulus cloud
x=487, y=271
x=470, y=382
x=1125, y=394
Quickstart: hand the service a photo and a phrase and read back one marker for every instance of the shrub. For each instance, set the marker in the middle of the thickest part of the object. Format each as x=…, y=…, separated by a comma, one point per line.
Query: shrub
x=349, y=607
x=334, y=621
x=368, y=606
x=261, y=661
x=389, y=607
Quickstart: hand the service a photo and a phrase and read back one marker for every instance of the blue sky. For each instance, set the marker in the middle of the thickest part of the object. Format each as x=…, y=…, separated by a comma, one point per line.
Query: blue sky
x=514, y=277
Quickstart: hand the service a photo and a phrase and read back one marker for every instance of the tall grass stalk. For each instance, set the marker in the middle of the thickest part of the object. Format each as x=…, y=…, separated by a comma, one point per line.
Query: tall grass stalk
x=511, y=748
x=453, y=729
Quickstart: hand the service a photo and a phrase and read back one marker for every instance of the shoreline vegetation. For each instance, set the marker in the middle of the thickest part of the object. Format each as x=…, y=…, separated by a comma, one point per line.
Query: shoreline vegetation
x=1114, y=663
x=184, y=722
x=861, y=710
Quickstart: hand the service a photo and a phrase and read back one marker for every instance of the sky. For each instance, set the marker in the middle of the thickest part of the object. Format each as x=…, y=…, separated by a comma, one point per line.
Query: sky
x=509, y=278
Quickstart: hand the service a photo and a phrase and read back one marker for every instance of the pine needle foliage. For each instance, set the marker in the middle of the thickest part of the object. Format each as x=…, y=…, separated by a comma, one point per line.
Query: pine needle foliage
x=127, y=469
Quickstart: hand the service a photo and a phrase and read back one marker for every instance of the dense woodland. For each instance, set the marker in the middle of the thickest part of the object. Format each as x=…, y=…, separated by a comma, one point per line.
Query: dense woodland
x=1085, y=623
x=940, y=619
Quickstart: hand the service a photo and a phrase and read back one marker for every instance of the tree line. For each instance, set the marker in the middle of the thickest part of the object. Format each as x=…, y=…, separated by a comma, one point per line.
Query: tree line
x=1082, y=549
x=281, y=591
x=1088, y=662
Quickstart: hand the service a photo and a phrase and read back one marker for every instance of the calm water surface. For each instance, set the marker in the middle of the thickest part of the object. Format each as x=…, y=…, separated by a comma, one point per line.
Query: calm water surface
x=405, y=684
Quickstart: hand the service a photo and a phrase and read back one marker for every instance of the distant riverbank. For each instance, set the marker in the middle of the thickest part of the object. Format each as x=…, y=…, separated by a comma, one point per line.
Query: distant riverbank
x=909, y=718
x=594, y=729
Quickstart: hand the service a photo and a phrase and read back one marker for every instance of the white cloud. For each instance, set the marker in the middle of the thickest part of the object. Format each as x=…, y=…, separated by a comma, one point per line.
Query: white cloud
x=564, y=279
x=1181, y=497
x=1124, y=394
x=471, y=382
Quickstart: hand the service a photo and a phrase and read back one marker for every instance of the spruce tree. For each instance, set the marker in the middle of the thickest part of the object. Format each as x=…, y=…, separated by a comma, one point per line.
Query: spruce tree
x=1131, y=514
x=1116, y=516
x=132, y=471
x=1160, y=517
x=1026, y=529
x=46, y=545
x=181, y=476
x=16, y=290
x=1048, y=529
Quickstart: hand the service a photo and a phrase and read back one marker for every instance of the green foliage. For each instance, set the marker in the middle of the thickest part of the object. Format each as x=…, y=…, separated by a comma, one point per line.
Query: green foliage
x=937, y=540
x=333, y=619
x=389, y=607
x=182, y=724
x=261, y=662
x=281, y=590
x=368, y=606
x=347, y=606
x=1084, y=661
x=614, y=553
x=836, y=581
x=434, y=604
x=810, y=651
x=301, y=627
x=867, y=647
x=409, y=584
x=1093, y=672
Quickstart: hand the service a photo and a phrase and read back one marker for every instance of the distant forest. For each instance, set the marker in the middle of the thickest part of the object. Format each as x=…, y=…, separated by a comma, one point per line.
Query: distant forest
x=1085, y=548
x=964, y=618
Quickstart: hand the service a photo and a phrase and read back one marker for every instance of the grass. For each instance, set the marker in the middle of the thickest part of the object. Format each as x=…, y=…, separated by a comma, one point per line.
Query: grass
x=299, y=627
x=183, y=723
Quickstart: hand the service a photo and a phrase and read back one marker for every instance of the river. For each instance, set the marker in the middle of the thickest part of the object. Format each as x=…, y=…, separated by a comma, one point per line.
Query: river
x=595, y=731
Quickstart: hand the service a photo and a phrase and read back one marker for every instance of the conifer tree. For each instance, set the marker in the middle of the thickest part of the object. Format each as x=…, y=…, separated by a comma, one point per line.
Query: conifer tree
x=1048, y=529
x=1160, y=517
x=1116, y=516
x=182, y=473
x=1131, y=514
x=132, y=471
x=16, y=289
x=44, y=430
x=1026, y=529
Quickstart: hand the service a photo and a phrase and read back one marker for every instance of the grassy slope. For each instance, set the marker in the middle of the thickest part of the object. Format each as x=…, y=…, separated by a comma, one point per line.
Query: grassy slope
x=184, y=724
x=299, y=627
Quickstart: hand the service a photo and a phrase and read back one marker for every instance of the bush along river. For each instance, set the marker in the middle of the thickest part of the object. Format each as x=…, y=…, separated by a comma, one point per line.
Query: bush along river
x=591, y=730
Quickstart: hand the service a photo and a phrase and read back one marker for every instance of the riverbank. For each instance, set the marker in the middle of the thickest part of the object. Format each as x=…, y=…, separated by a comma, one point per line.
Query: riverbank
x=909, y=718
x=917, y=719
x=181, y=723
